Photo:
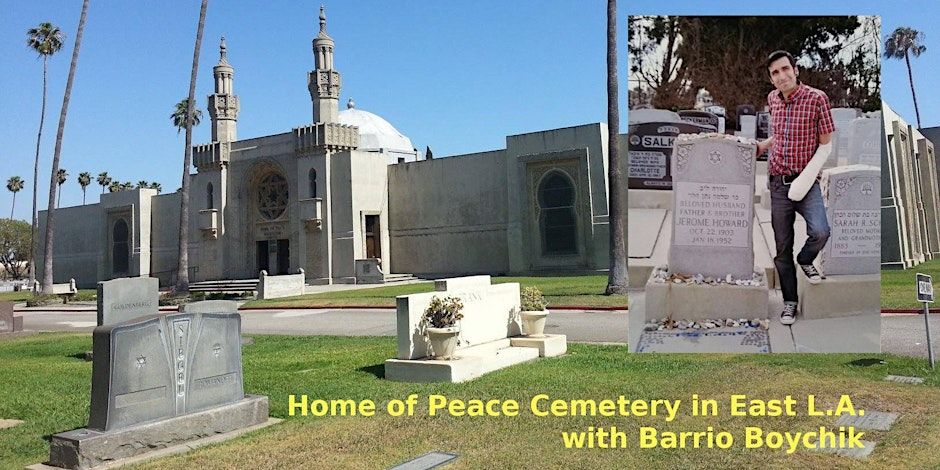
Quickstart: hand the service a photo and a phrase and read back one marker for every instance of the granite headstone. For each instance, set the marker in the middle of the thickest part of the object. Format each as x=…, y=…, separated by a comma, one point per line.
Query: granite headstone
x=842, y=118
x=713, y=207
x=650, y=151
x=8, y=322
x=853, y=207
x=124, y=299
x=864, y=148
x=708, y=121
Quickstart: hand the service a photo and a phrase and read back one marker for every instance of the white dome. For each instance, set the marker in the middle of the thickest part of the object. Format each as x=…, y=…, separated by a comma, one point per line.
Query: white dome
x=375, y=133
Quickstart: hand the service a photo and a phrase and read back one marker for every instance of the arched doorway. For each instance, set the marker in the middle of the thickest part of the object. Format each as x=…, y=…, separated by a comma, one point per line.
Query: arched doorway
x=558, y=221
x=120, y=249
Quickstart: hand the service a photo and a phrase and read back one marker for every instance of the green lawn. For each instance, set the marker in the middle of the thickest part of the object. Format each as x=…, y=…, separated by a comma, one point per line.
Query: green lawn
x=23, y=296
x=46, y=384
x=559, y=291
x=899, y=289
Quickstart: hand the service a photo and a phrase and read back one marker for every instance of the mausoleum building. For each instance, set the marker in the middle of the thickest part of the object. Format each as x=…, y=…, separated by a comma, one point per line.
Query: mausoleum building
x=349, y=189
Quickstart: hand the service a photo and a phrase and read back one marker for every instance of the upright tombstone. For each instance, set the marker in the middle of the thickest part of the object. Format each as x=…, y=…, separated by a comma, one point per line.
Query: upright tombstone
x=713, y=208
x=748, y=126
x=764, y=127
x=853, y=208
x=842, y=118
x=864, y=147
x=9, y=323
x=711, y=256
x=649, y=152
x=489, y=333
x=706, y=120
x=124, y=299
x=159, y=381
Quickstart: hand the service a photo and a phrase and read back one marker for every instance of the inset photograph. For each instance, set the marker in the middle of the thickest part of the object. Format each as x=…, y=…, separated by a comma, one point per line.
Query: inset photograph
x=754, y=149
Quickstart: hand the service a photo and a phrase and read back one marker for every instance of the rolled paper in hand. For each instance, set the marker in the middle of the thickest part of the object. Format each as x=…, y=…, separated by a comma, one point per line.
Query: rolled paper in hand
x=804, y=182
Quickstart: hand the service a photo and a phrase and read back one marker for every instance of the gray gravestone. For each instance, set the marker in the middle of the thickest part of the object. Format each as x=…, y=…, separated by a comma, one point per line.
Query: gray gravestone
x=713, y=207
x=764, y=128
x=162, y=366
x=853, y=207
x=6, y=317
x=905, y=379
x=124, y=299
x=864, y=147
x=748, y=126
x=649, y=152
x=842, y=118
x=875, y=420
x=159, y=381
x=706, y=120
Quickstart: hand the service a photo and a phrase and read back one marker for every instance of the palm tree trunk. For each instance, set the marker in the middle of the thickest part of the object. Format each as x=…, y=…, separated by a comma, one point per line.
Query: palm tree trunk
x=616, y=215
x=13, y=206
x=910, y=78
x=182, y=270
x=50, y=213
x=32, y=230
x=83, y=195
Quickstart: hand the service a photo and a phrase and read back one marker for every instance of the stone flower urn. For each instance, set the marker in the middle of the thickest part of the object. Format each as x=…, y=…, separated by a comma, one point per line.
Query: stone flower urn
x=443, y=341
x=533, y=323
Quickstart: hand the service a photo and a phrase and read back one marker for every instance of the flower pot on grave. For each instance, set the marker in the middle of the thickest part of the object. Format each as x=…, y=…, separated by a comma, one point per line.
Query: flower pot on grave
x=533, y=323
x=443, y=342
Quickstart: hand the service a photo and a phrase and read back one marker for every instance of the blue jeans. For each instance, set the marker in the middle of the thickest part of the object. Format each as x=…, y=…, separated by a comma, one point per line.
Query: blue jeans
x=782, y=216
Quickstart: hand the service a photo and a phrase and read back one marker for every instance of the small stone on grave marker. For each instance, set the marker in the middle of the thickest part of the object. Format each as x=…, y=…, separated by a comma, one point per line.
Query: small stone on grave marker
x=904, y=379
x=876, y=420
x=426, y=461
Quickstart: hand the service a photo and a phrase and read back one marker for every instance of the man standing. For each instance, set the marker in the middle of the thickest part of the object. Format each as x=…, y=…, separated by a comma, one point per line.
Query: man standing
x=801, y=142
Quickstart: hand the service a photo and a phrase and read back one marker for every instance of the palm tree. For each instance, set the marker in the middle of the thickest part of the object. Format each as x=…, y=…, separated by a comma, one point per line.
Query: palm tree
x=901, y=44
x=84, y=179
x=182, y=269
x=103, y=180
x=179, y=112
x=61, y=176
x=143, y=184
x=156, y=186
x=46, y=40
x=14, y=184
x=617, y=280
x=114, y=186
x=50, y=213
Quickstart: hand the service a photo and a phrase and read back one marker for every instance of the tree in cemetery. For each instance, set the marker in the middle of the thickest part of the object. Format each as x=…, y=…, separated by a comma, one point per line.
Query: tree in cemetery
x=156, y=186
x=14, y=185
x=50, y=213
x=726, y=54
x=903, y=43
x=143, y=184
x=84, y=179
x=179, y=115
x=14, y=247
x=616, y=216
x=61, y=177
x=182, y=269
x=103, y=180
x=46, y=40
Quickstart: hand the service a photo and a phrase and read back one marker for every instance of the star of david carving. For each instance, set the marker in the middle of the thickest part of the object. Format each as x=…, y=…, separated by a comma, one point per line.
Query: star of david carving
x=714, y=157
x=216, y=350
x=141, y=361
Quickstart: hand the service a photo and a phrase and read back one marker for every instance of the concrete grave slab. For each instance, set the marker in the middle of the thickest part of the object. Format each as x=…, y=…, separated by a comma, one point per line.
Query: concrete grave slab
x=700, y=301
x=874, y=420
x=548, y=346
x=643, y=231
x=124, y=299
x=859, y=453
x=855, y=334
x=427, y=461
x=905, y=379
x=718, y=340
x=839, y=296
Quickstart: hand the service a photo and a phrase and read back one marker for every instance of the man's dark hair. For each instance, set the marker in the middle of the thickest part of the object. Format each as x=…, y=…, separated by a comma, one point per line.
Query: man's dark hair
x=778, y=54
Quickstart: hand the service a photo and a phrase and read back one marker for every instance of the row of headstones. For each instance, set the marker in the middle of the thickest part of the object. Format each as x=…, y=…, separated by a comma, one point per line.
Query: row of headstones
x=652, y=134
x=150, y=369
x=713, y=211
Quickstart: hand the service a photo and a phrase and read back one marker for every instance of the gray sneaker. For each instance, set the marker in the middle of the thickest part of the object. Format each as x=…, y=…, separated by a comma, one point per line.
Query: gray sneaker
x=812, y=275
x=788, y=315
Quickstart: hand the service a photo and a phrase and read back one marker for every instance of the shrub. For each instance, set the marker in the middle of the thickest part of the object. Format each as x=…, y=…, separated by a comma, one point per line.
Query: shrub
x=532, y=300
x=443, y=313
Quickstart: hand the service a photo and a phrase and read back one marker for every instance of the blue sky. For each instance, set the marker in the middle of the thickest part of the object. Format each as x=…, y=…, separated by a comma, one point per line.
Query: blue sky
x=458, y=76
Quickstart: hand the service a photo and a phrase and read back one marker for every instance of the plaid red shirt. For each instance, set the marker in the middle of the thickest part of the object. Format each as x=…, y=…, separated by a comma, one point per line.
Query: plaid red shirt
x=797, y=125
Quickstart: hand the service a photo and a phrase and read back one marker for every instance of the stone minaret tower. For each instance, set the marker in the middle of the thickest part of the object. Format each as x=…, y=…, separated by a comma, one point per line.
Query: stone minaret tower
x=324, y=82
x=223, y=105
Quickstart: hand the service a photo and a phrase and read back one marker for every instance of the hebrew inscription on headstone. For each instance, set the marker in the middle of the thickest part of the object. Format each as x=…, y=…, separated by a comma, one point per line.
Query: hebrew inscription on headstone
x=853, y=207
x=713, y=207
